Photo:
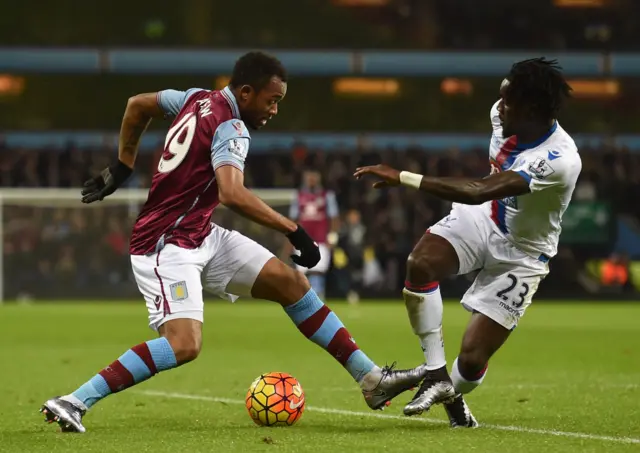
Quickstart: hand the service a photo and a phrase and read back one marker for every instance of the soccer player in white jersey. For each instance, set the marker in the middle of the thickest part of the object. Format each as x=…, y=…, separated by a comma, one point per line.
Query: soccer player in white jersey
x=506, y=226
x=176, y=251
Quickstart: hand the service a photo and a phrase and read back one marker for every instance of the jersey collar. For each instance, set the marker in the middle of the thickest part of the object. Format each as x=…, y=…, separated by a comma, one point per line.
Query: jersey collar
x=540, y=141
x=231, y=100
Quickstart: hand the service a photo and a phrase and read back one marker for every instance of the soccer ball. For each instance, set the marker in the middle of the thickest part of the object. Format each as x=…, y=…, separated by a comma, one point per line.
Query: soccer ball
x=275, y=399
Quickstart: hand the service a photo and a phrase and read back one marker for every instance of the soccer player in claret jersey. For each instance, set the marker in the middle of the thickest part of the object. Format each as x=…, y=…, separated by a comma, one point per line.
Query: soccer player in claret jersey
x=316, y=210
x=506, y=226
x=176, y=250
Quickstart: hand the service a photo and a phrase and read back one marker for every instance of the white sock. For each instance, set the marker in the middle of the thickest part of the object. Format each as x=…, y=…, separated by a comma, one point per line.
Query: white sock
x=425, y=315
x=461, y=384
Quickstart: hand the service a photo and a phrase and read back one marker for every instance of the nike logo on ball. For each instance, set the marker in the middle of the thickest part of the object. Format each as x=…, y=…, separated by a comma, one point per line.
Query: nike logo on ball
x=293, y=406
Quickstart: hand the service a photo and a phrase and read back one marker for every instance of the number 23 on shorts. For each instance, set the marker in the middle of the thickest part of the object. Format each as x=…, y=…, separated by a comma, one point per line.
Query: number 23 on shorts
x=515, y=291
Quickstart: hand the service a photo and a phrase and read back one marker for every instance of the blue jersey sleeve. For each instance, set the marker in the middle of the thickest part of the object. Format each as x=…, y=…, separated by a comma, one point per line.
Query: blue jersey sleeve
x=171, y=101
x=230, y=144
x=332, y=205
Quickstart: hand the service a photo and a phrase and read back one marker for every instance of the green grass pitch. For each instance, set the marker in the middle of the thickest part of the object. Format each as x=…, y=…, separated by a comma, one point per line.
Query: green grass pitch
x=567, y=380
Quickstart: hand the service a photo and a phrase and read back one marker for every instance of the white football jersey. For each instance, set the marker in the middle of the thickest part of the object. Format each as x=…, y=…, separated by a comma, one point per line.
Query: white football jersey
x=551, y=165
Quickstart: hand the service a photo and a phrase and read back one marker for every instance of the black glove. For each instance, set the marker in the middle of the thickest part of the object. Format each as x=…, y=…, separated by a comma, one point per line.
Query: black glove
x=105, y=183
x=309, y=250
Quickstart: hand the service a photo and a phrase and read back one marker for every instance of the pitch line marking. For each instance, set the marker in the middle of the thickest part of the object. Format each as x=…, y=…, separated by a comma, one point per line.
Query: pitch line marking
x=327, y=410
x=525, y=386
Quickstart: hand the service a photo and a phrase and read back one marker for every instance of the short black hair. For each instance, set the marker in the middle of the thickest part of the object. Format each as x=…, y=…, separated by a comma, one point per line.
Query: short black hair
x=538, y=83
x=256, y=70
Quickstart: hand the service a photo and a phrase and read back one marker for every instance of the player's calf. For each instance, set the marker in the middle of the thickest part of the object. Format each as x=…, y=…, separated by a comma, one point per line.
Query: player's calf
x=432, y=259
x=470, y=367
x=473, y=359
x=134, y=366
x=481, y=340
x=279, y=283
x=424, y=308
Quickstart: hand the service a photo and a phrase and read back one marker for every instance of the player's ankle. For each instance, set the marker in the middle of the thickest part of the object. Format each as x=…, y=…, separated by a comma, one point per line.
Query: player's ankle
x=439, y=374
x=71, y=398
x=463, y=380
x=471, y=370
x=371, y=380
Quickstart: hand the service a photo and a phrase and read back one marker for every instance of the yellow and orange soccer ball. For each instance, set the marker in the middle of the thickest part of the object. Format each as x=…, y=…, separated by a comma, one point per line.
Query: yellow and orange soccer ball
x=275, y=399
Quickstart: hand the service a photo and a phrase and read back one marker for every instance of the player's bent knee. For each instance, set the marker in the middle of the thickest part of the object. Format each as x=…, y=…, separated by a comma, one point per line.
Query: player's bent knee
x=280, y=283
x=420, y=269
x=185, y=338
x=185, y=347
x=294, y=286
x=432, y=259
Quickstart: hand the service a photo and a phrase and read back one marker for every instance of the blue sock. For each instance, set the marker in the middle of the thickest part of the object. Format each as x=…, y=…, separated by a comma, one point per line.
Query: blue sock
x=134, y=366
x=319, y=324
x=317, y=283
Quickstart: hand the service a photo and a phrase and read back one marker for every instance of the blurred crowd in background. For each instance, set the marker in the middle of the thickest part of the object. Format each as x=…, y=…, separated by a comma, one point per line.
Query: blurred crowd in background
x=76, y=246
x=608, y=173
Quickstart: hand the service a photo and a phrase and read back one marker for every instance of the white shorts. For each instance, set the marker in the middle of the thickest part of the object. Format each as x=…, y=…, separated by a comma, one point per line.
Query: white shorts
x=508, y=277
x=323, y=265
x=171, y=281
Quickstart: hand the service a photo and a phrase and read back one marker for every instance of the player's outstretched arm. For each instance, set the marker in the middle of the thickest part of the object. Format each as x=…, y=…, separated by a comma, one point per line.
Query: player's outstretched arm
x=140, y=110
x=235, y=196
x=460, y=190
x=137, y=116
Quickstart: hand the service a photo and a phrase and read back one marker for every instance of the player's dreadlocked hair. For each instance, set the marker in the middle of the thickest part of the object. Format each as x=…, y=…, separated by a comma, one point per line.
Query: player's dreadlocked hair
x=256, y=69
x=539, y=83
